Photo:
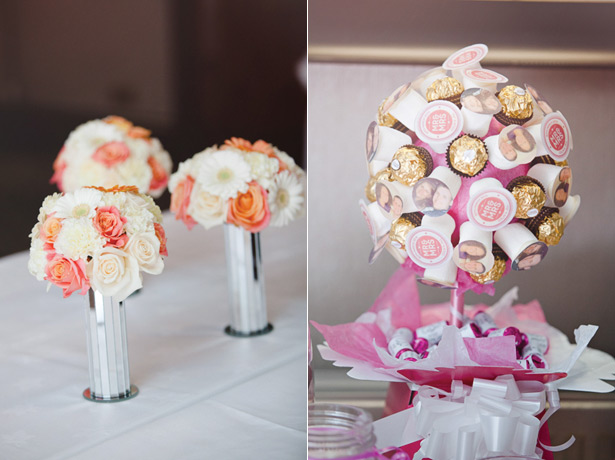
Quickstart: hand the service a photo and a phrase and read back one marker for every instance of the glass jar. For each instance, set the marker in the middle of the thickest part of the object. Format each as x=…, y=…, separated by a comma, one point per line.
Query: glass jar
x=337, y=431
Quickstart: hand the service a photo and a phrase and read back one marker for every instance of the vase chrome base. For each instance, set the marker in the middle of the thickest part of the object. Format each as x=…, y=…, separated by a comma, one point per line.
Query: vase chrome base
x=134, y=391
x=232, y=332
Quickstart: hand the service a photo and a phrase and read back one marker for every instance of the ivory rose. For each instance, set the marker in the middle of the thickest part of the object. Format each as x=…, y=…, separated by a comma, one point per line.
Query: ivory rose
x=180, y=200
x=110, y=224
x=207, y=209
x=114, y=273
x=250, y=210
x=68, y=274
x=145, y=248
x=50, y=229
x=111, y=153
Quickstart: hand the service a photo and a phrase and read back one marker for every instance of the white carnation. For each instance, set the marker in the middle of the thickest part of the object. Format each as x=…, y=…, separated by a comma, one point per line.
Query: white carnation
x=47, y=206
x=262, y=168
x=145, y=248
x=112, y=272
x=139, y=149
x=138, y=218
x=135, y=172
x=88, y=172
x=38, y=259
x=78, y=239
x=116, y=199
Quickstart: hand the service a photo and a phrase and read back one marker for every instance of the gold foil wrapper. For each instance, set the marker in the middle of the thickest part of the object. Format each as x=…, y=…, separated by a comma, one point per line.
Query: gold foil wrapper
x=370, y=188
x=493, y=275
x=529, y=196
x=412, y=166
x=516, y=102
x=385, y=118
x=468, y=155
x=551, y=229
x=444, y=88
x=399, y=230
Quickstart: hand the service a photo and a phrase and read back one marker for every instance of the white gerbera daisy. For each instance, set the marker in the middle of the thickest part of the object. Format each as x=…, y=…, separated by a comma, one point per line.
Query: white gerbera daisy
x=81, y=203
x=224, y=173
x=78, y=239
x=285, y=199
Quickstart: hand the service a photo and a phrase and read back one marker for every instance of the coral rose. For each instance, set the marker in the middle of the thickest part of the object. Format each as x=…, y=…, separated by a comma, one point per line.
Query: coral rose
x=159, y=175
x=67, y=274
x=162, y=237
x=50, y=229
x=180, y=200
x=250, y=210
x=110, y=224
x=111, y=153
x=59, y=165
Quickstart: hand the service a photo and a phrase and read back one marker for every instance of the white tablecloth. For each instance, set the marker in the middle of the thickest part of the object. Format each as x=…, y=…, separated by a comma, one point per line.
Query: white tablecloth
x=203, y=394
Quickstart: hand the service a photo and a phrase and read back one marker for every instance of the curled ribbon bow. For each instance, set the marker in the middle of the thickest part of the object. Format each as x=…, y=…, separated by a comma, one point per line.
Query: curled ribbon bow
x=490, y=417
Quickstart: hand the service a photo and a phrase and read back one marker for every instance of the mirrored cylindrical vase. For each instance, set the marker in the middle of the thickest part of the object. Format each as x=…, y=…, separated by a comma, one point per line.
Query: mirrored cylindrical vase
x=107, y=350
x=246, y=283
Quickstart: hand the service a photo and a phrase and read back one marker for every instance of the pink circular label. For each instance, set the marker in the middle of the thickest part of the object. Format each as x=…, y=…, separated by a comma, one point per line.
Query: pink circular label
x=492, y=210
x=465, y=57
x=428, y=248
x=485, y=75
x=439, y=121
x=556, y=136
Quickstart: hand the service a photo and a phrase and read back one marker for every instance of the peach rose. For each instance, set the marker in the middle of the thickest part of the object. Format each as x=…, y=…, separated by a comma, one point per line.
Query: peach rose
x=160, y=178
x=67, y=273
x=120, y=122
x=110, y=224
x=50, y=229
x=162, y=237
x=180, y=200
x=59, y=165
x=111, y=153
x=137, y=132
x=250, y=210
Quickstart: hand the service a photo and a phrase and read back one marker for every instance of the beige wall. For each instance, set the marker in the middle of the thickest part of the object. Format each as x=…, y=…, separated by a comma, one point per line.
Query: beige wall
x=574, y=283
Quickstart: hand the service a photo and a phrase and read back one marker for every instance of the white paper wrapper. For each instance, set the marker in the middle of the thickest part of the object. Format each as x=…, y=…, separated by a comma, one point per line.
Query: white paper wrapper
x=472, y=238
x=549, y=177
x=430, y=244
x=490, y=206
x=475, y=123
x=438, y=123
x=570, y=208
x=389, y=140
x=408, y=107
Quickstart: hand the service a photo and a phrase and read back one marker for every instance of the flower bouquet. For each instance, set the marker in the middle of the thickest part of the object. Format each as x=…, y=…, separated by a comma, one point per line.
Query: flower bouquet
x=99, y=241
x=246, y=187
x=109, y=152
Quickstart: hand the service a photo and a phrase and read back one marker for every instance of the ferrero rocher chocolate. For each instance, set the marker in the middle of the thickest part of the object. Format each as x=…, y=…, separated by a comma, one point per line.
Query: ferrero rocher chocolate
x=385, y=118
x=547, y=226
x=493, y=275
x=400, y=228
x=370, y=188
x=467, y=155
x=546, y=159
x=516, y=102
x=410, y=164
x=448, y=89
x=529, y=194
